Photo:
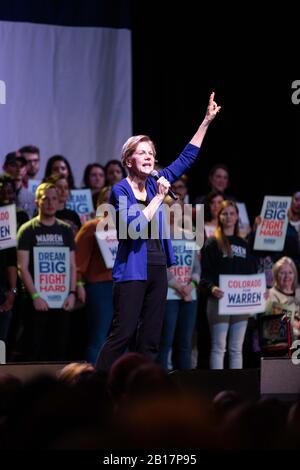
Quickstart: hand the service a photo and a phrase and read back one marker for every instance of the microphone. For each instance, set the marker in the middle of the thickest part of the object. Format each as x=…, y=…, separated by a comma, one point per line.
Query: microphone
x=155, y=175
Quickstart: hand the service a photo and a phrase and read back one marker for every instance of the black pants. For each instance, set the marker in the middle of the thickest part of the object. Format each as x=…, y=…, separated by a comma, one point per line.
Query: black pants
x=138, y=312
x=46, y=334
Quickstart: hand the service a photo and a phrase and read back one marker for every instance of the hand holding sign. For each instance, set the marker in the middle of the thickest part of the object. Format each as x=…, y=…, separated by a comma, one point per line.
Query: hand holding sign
x=217, y=292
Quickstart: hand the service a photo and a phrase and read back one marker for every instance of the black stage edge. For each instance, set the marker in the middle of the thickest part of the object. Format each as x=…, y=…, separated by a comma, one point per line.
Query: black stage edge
x=208, y=383
x=27, y=370
x=277, y=377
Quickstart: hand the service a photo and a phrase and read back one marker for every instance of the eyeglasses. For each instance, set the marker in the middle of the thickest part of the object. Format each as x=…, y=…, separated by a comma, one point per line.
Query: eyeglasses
x=35, y=160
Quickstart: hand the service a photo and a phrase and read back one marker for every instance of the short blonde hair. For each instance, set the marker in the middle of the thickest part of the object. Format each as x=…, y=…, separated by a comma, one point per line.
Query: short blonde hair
x=131, y=144
x=276, y=267
x=42, y=188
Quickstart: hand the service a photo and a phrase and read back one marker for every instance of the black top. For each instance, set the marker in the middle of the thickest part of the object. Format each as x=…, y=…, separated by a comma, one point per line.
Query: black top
x=34, y=233
x=214, y=262
x=8, y=257
x=155, y=252
x=71, y=218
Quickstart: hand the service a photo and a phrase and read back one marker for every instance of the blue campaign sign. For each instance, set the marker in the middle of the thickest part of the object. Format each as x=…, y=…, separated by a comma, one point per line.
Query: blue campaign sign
x=81, y=202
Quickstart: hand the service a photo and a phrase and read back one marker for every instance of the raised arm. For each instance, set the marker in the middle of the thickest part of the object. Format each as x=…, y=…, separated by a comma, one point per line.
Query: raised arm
x=191, y=151
x=211, y=112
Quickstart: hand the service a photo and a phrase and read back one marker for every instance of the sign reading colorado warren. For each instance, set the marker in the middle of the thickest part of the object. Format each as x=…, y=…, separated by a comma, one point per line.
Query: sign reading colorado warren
x=52, y=274
x=242, y=294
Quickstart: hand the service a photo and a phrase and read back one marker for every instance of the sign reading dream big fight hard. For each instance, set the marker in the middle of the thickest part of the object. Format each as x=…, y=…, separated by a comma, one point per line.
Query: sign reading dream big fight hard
x=80, y=201
x=184, y=253
x=108, y=245
x=52, y=274
x=271, y=231
x=8, y=226
x=242, y=294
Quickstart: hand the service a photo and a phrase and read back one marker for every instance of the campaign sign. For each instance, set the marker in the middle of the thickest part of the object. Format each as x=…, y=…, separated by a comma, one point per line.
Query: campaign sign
x=182, y=269
x=52, y=274
x=8, y=226
x=244, y=224
x=32, y=185
x=242, y=294
x=108, y=245
x=80, y=201
x=271, y=231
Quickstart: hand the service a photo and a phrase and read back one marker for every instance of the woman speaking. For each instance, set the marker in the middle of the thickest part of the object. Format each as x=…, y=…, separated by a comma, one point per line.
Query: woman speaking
x=140, y=269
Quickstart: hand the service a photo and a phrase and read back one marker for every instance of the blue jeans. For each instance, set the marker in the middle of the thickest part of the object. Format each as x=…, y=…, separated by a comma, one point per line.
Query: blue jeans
x=99, y=308
x=179, y=324
x=220, y=326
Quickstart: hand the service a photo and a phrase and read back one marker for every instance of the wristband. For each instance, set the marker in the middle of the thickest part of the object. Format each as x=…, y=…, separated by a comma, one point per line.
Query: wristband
x=80, y=283
x=73, y=292
x=35, y=295
x=195, y=284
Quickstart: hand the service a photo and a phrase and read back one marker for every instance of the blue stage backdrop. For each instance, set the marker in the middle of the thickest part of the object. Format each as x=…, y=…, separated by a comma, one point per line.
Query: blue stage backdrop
x=66, y=67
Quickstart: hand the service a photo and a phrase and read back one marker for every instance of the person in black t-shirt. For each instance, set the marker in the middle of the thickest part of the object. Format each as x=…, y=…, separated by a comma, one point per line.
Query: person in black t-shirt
x=49, y=327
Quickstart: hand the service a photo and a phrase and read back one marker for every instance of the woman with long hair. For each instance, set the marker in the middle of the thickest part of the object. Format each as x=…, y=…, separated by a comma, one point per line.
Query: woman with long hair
x=57, y=164
x=225, y=253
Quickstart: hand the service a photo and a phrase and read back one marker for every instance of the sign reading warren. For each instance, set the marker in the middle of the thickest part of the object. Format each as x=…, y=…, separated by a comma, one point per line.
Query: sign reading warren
x=8, y=226
x=52, y=274
x=80, y=201
x=108, y=245
x=242, y=294
x=271, y=231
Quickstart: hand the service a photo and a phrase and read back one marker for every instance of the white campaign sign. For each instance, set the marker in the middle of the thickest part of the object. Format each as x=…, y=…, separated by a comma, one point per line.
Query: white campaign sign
x=184, y=253
x=242, y=294
x=52, y=274
x=8, y=226
x=271, y=231
x=108, y=245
